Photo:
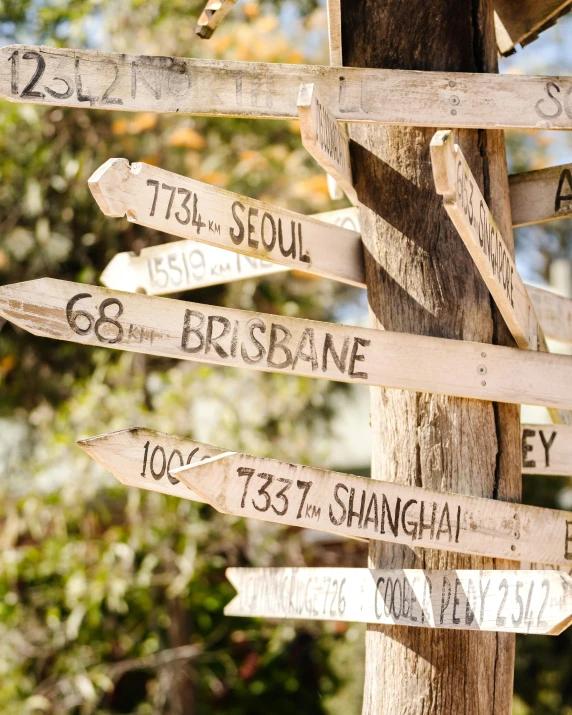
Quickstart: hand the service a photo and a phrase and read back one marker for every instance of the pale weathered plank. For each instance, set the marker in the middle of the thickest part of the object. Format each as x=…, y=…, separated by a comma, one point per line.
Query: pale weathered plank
x=473, y=220
x=296, y=495
x=185, y=265
x=554, y=312
x=547, y=449
x=511, y=601
x=335, y=32
x=87, y=78
x=325, y=140
x=191, y=209
x=542, y=195
x=522, y=20
x=223, y=336
x=214, y=13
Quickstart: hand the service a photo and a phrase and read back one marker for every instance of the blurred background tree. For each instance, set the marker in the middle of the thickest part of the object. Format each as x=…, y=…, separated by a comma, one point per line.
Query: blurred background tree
x=111, y=599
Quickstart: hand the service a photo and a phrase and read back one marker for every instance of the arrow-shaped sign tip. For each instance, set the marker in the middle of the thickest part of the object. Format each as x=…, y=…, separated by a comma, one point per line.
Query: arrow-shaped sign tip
x=119, y=274
x=192, y=476
x=105, y=185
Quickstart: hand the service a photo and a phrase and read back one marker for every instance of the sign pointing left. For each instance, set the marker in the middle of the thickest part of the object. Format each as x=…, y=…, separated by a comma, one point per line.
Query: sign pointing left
x=510, y=601
x=237, y=338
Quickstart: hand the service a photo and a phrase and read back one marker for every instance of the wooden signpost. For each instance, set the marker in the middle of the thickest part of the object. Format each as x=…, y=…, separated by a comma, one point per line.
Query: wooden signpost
x=542, y=195
x=325, y=140
x=469, y=212
x=191, y=209
x=145, y=458
x=103, y=80
x=511, y=601
x=523, y=20
x=214, y=13
x=296, y=495
x=185, y=265
x=554, y=312
x=547, y=449
x=192, y=331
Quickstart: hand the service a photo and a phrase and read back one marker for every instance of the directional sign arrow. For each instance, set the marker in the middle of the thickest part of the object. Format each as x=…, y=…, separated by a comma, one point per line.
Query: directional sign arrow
x=185, y=265
x=194, y=331
x=542, y=195
x=87, y=78
x=325, y=140
x=469, y=212
x=214, y=13
x=191, y=209
x=144, y=458
x=511, y=601
x=304, y=496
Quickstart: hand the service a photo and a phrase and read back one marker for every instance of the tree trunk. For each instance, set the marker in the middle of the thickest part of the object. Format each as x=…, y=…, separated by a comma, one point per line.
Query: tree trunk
x=422, y=280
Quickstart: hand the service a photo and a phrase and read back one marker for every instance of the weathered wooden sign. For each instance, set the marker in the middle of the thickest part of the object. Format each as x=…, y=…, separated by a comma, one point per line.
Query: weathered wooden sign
x=144, y=458
x=187, y=208
x=554, y=312
x=547, y=449
x=296, y=495
x=193, y=331
x=469, y=212
x=214, y=13
x=542, y=195
x=523, y=20
x=335, y=32
x=325, y=140
x=511, y=601
x=185, y=265
x=87, y=78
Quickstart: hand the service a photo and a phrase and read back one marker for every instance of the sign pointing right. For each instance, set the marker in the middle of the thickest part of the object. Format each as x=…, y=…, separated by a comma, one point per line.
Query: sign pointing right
x=297, y=495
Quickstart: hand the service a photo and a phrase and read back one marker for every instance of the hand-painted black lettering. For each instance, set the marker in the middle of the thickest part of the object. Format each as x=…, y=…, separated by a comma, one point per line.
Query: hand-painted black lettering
x=251, y=326
x=501, y=620
x=281, y=495
x=546, y=444
x=197, y=222
x=189, y=330
x=251, y=227
x=565, y=175
x=72, y=315
x=340, y=521
x=334, y=594
x=103, y=319
x=248, y=473
x=304, y=257
x=385, y=510
x=558, y=107
x=28, y=90
x=81, y=97
x=15, y=75
x=409, y=527
x=291, y=250
x=279, y=344
x=546, y=586
x=158, y=475
x=152, y=182
x=351, y=512
x=311, y=356
x=146, y=448
x=526, y=448
x=305, y=486
x=354, y=357
x=263, y=491
x=172, y=189
x=445, y=589
x=155, y=91
x=184, y=205
x=107, y=98
x=170, y=477
x=270, y=245
x=340, y=361
x=213, y=341
x=518, y=620
x=237, y=237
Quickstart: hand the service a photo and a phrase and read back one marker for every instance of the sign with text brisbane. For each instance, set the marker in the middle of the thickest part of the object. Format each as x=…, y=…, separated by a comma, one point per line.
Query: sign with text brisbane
x=100, y=80
x=296, y=495
x=185, y=265
x=187, y=208
x=236, y=338
x=469, y=212
x=510, y=601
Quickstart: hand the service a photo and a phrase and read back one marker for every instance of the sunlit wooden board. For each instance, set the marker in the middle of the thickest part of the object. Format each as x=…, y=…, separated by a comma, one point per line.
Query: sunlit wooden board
x=187, y=208
x=542, y=195
x=214, y=13
x=99, y=80
x=509, y=601
x=296, y=495
x=522, y=20
x=193, y=331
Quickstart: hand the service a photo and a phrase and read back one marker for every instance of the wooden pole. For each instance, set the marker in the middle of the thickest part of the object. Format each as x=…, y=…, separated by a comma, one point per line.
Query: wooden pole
x=421, y=279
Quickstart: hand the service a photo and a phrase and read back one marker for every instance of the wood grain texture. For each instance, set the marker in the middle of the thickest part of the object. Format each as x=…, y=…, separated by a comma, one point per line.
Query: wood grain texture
x=186, y=265
x=257, y=341
x=422, y=280
x=554, y=312
x=210, y=18
x=325, y=140
x=442, y=99
x=524, y=19
x=478, y=229
x=509, y=601
x=297, y=495
x=541, y=195
x=335, y=32
x=192, y=209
